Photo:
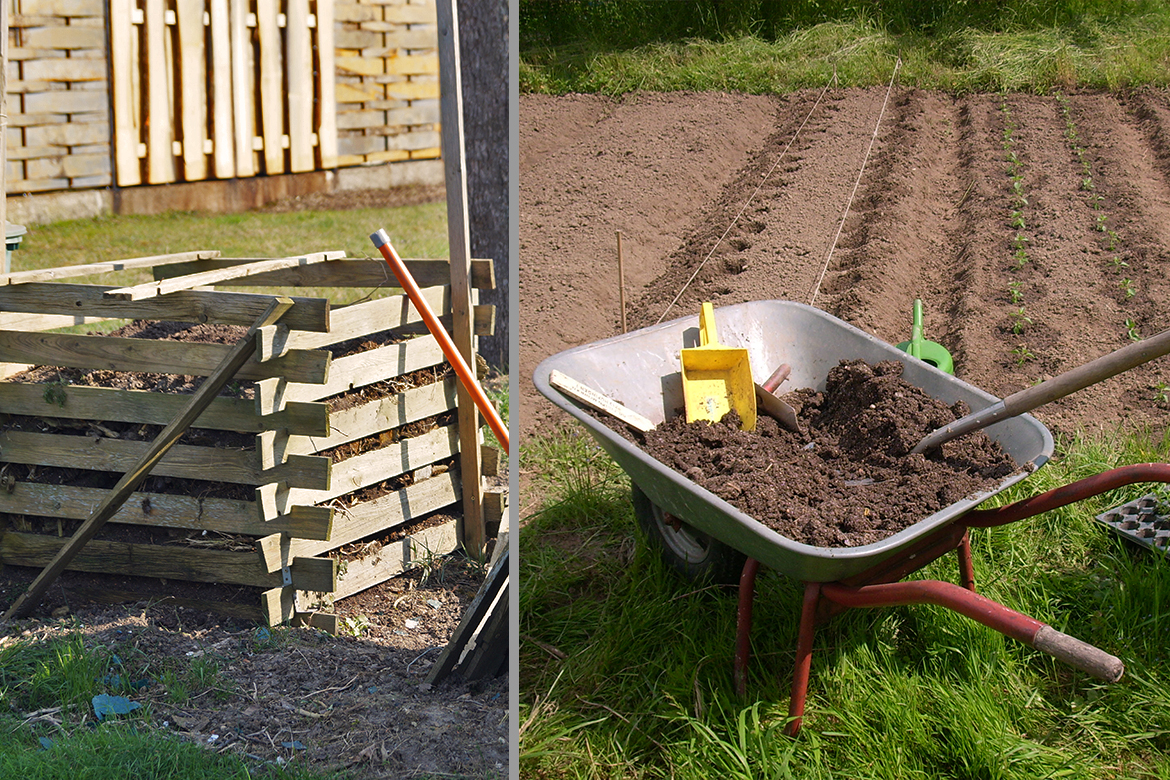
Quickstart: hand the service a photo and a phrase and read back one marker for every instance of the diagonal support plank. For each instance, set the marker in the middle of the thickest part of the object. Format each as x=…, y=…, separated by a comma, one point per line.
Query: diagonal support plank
x=131, y=480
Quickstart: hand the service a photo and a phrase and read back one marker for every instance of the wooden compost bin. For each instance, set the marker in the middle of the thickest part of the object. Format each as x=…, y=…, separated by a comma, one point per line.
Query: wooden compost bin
x=289, y=536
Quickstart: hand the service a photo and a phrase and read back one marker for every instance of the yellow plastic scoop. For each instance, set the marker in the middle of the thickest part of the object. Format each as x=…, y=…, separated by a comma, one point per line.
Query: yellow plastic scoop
x=717, y=379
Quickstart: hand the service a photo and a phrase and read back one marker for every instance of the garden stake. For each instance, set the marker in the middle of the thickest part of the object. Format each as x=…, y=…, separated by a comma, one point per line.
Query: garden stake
x=199, y=402
x=621, y=281
x=382, y=241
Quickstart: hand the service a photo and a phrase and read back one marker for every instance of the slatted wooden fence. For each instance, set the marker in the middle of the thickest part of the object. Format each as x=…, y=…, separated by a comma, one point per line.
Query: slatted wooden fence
x=215, y=89
x=287, y=541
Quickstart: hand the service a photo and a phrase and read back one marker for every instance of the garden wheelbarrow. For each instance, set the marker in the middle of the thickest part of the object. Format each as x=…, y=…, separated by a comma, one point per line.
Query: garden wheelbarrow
x=701, y=534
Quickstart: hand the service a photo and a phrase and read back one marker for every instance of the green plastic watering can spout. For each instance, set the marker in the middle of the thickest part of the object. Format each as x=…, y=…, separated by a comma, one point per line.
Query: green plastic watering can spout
x=927, y=351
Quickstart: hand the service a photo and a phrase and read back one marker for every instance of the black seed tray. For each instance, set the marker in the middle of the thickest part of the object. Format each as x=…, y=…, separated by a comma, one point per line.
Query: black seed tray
x=1145, y=521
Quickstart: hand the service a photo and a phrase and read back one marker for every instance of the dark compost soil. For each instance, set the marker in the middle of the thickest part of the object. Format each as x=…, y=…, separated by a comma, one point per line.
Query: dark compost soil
x=848, y=479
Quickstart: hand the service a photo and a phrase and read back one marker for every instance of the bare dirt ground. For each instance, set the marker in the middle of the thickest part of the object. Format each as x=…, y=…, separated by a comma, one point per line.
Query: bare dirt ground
x=747, y=194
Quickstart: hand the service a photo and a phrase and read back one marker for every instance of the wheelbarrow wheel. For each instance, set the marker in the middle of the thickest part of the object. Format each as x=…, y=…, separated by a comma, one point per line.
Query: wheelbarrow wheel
x=690, y=552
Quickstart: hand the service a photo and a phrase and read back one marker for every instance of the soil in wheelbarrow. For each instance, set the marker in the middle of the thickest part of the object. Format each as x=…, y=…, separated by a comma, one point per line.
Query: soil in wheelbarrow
x=850, y=479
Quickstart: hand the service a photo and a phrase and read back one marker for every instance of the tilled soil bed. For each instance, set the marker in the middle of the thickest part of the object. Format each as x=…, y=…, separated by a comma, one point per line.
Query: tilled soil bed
x=848, y=478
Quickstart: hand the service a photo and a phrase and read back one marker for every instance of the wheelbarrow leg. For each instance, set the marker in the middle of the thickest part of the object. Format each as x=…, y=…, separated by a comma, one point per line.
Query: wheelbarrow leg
x=966, y=567
x=743, y=623
x=804, y=646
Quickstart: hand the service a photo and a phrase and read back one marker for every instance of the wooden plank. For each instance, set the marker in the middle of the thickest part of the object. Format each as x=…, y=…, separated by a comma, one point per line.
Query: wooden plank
x=65, y=102
x=167, y=562
x=380, y=414
x=89, y=269
x=14, y=321
x=223, y=131
x=105, y=595
x=354, y=371
x=412, y=65
x=76, y=402
x=412, y=14
x=71, y=37
x=162, y=510
x=412, y=90
x=148, y=459
x=459, y=242
x=359, y=319
x=193, y=88
x=67, y=135
x=271, y=86
x=206, y=278
x=300, y=86
x=362, y=66
x=242, y=96
x=149, y=355
x=240, y=467
x=57, y=69
x=358, y=93
x=326, y=81
x=311, y=315
x=393, y=559
x=62, y=7
x=343, y=273
x=160, y=161
x=372, y=467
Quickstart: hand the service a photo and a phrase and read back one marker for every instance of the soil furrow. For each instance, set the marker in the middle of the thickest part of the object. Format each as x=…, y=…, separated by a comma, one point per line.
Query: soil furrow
x=903, y=242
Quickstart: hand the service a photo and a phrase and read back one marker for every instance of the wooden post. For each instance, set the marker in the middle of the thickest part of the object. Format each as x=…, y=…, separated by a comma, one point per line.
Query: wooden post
x=458, y=237
x=4, y=128
x=129, y=482
x=621, y=281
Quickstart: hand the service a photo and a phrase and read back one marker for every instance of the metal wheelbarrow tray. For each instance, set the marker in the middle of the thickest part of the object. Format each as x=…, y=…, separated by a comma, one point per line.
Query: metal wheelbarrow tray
x=641, y=370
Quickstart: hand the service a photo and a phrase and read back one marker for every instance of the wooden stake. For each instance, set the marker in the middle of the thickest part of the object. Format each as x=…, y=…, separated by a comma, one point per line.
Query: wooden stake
x=621, y=281
x=459, y=243
x=130, y=481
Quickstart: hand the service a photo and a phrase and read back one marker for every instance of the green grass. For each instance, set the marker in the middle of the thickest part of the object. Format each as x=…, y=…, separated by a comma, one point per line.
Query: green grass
x=1129, y=47
x=416, y=232
x=626, y=669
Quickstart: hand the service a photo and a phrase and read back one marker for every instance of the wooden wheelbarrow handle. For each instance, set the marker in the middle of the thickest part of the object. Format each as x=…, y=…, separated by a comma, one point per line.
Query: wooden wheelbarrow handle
x=406, y=282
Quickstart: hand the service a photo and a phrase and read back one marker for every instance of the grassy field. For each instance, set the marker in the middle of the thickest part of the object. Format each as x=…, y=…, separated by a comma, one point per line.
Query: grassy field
x=47, y=725
x=626, y=670
x=613, y=48
x=416, y=232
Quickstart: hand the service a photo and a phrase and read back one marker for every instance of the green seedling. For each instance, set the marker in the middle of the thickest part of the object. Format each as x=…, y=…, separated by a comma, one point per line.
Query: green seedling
x=1020, y=320
x=1162, y=393
x=1101, y=219
x=1087, y=184
x=1021, y=258
x=1131, y=330
x=1023, y=355
x=1018, y=220
x=1020, y=241
x=1113, y=239
x=1128, y=287
x=1119, y=263
x=1015, y=291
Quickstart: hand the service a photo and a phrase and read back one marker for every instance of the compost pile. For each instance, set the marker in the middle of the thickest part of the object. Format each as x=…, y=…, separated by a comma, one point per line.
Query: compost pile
x=849, y=480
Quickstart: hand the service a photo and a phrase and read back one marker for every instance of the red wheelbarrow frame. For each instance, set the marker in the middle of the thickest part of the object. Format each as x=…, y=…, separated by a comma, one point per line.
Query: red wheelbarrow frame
x=879, y=586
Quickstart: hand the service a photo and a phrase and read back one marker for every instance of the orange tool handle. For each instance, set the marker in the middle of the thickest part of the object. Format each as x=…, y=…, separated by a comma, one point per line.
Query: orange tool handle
x=406, y=282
